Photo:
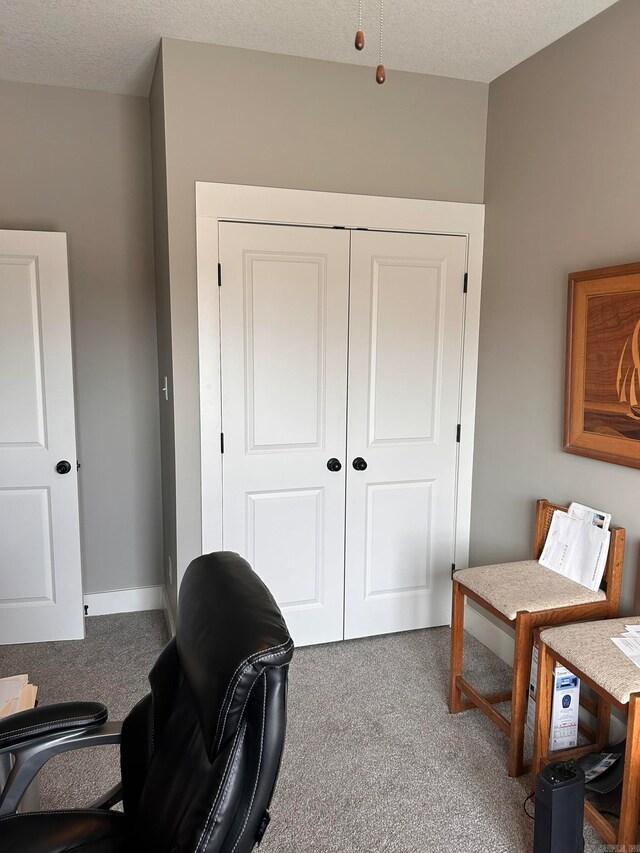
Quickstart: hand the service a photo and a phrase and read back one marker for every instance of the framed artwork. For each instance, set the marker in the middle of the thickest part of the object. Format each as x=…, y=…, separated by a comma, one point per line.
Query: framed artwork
x=602, y=371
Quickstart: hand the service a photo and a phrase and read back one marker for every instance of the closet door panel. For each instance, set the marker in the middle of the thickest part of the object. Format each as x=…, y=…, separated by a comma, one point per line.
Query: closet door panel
x=284, y=308
x=405, y=345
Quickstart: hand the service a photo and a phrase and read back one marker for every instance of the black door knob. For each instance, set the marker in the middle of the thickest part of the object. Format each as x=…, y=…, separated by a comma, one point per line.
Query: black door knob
x=359, y=463
x=63, y=467
x=334, y=464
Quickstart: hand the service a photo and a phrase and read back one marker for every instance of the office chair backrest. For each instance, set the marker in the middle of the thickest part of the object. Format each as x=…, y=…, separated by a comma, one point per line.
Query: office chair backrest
x=200, y=755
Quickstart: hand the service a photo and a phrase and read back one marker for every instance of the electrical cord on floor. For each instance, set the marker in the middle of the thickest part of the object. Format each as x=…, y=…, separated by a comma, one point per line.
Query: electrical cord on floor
x=524, y=806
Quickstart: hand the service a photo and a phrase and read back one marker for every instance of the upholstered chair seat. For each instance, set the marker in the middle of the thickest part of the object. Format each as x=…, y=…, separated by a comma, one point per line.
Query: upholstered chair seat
x=525, y=585
x=589, y=647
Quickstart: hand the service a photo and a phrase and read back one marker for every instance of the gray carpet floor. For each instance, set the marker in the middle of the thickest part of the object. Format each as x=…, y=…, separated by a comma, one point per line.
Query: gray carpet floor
x=373, y=760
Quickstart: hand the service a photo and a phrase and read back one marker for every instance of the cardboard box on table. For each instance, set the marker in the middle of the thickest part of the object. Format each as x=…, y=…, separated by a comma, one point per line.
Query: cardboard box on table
x=565, y=705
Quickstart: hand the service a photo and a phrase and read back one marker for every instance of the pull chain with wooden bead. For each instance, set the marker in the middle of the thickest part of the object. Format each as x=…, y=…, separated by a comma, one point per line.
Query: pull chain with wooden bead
x=359, y=35
x=380, y=72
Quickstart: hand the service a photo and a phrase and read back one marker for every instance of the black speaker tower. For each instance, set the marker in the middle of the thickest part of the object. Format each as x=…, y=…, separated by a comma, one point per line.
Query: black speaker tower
x=559, y=809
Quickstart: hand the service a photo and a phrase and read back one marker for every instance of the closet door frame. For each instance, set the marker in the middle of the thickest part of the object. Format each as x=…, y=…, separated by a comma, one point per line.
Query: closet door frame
x=239, y=203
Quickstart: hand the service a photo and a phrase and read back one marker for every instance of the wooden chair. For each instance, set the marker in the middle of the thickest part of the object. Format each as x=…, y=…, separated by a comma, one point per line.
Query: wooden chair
x=525, y=596
x=587, y=651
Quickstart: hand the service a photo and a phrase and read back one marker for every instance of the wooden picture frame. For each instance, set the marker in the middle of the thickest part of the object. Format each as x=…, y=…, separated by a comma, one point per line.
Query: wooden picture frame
x=602, y=371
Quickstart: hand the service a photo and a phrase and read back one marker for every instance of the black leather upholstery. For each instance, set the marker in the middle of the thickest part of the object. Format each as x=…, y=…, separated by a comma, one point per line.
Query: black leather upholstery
x=61, y=832
x=222, y=674
x=199, y=755
x=50, y=719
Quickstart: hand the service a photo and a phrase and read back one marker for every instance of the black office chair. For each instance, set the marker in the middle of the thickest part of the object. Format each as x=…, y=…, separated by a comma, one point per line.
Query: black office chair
x=199, y=755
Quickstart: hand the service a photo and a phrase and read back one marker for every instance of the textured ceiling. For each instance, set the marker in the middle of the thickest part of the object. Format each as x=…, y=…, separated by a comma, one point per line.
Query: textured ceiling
x=110, y=45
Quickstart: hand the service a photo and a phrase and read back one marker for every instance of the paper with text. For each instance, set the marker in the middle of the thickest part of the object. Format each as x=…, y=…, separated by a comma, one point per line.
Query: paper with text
x=576, y=549
x=592, y=516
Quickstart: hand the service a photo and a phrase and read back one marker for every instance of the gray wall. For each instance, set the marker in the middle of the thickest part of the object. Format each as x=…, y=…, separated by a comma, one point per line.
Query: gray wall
x=562, y=190
x=247, y=117
x=78, y=161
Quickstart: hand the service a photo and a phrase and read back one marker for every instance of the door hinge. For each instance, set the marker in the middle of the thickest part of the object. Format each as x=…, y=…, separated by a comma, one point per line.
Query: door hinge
x=221, y=442
x=465, y=282
x=458, y=430
x=453, y=568
x=78, y=465
x=219, y=275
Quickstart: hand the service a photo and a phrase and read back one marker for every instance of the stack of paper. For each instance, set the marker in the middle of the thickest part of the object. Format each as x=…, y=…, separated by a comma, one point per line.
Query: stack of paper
x=629, y=643
x=16, y=694
x=577, y=544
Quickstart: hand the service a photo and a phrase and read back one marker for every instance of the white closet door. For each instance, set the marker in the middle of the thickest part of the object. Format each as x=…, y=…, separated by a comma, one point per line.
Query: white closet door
x=284, y=309
x=40, y=577
x=405, y=345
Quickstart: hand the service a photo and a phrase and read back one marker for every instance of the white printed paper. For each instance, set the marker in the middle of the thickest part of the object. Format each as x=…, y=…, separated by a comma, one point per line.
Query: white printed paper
x=10, y=687
x=576, y=549
x=595, y=517
x=630, y=646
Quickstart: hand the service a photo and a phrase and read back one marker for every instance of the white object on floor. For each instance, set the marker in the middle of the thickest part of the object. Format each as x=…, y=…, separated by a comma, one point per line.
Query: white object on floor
x=16, y=694
x=565, y=709
x=565, y=704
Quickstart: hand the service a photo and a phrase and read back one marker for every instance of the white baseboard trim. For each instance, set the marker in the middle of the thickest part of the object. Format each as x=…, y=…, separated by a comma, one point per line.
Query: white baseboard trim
x=501, y=644
x=124, y=600
x=168, y=612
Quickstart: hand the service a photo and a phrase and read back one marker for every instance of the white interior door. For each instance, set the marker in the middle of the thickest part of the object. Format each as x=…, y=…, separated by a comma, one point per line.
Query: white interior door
x=40, y=575
x=405, y=346
x=284, y=309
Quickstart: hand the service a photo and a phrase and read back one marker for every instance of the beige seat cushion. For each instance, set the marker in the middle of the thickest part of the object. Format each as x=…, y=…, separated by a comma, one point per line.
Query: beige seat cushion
x=588, y=646
x=511, y=587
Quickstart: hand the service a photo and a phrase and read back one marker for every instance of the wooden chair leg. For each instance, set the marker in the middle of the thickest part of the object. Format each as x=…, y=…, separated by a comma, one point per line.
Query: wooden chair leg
x=603, y=722
x=542, y=728
x=521, y=670
x=457, y=641
x=630, y=805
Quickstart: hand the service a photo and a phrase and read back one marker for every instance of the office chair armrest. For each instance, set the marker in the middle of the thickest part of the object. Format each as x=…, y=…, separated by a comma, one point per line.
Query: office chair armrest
x=31, y=754
x=25, y=726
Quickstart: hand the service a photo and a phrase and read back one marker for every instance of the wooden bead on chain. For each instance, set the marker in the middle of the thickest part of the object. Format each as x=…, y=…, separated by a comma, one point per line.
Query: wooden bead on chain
x=380, y=72
x=359, y=35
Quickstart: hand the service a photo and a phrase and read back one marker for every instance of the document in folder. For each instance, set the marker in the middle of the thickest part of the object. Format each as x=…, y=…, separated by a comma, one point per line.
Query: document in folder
x=577, y=549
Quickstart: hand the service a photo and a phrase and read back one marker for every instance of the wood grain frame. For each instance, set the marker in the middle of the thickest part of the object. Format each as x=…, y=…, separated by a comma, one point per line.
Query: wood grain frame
x=602, y=370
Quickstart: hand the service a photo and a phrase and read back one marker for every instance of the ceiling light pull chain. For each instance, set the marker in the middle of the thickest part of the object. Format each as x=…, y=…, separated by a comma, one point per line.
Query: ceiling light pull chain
x=359, y=34
x=380, y=73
